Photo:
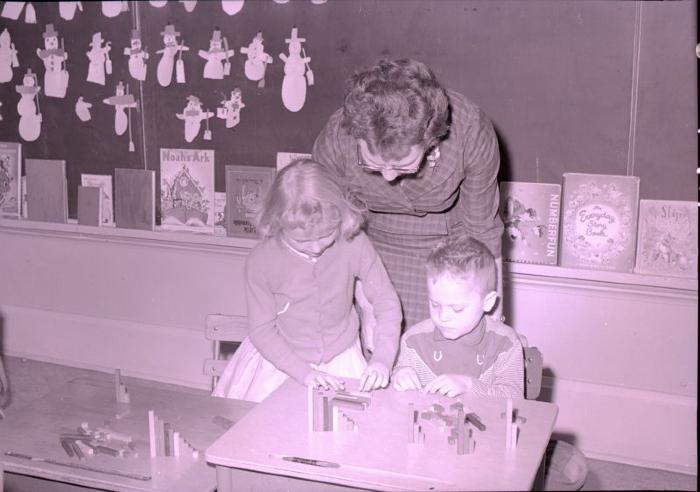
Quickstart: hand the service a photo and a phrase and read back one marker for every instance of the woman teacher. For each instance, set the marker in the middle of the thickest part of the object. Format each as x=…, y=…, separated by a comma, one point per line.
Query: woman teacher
x=423, y=161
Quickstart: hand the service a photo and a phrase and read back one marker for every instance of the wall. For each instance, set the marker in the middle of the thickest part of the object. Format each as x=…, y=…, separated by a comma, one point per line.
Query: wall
x=620, y=349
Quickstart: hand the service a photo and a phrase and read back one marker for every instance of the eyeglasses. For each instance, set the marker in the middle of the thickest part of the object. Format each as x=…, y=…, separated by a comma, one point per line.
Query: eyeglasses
x=408, y=168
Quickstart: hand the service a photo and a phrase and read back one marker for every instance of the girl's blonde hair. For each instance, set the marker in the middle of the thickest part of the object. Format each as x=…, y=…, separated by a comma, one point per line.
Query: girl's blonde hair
x=304, y=195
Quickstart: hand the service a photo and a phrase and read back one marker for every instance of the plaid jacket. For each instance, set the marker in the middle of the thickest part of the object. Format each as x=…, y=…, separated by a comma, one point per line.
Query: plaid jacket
x=459, y=193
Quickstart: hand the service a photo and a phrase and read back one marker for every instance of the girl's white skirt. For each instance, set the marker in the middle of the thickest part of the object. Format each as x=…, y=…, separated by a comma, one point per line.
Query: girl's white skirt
x=249, y=376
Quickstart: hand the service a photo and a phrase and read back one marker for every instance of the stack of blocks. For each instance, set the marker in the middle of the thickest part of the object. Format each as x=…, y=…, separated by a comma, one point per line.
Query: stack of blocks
x=511, y=426
x=88, y=442
x=165, y=441
x=458, y=422
x=326, y=409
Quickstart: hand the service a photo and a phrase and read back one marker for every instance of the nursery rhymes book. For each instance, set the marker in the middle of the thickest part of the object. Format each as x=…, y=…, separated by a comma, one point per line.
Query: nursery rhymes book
x=10, y=178
x=530, y=213
x=246, y=187
x=187, y=190
x=667, y=241
x=599, y=221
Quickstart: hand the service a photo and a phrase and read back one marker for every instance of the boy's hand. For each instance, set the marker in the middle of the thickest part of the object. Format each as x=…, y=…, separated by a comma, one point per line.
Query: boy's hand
x=375, y=376
x=449, y=385
x=405, y=379
x=319, y=379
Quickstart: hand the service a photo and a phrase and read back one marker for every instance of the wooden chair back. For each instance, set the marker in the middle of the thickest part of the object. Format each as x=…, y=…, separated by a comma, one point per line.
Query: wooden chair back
x=222, y=328
x=533, y=372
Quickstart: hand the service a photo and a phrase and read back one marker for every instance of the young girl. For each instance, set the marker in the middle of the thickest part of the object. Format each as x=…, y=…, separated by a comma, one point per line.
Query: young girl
x=299, y=284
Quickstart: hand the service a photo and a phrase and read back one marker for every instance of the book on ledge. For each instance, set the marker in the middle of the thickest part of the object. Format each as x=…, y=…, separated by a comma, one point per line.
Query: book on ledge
x=187, y=190
x=530, y=213
x=10, y=178
x=599, y=221
x=667, y=241
x=134, y=200
x=47, y=191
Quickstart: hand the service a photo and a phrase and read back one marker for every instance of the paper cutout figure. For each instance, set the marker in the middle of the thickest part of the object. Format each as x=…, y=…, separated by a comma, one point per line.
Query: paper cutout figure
x=189, y=4
x=230, y=109
x=12, y=10
x=294, y=83
x=158, y=3
x=137, y=57
x=120, y=100
x=215, y=67
x=28, y=110
x=56, y=75
x=99, y=59
x=193, y=116
x=67, y=9
x=232, y=7
x=257, y=61
x=112, y=8
x=170, y=49
x=8, y=56
x=82, y=109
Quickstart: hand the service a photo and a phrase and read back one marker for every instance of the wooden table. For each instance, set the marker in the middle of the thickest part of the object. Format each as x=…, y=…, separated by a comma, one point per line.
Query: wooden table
x=378, y=456
x=35, y=433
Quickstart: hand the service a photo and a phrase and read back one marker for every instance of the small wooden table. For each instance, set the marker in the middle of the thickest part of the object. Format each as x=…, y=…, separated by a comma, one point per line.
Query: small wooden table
x=378, y=456
x=34, y=433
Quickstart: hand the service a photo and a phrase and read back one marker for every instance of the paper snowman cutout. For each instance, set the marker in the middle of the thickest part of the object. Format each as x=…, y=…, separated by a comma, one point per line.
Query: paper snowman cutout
x=67, y=9
x=99, y=59
x=295, y=65
x=232, y=7
x=82, y=109
x=167, y=61
x=193, y=116
x=158, y=3
x=189, y=4
x=258, y=60
x=137, y=57
x=114, y=8
x=54, y=58
x=28, y=110
x=217, y=57
x=121, y=101
x=230, y=109
x=12, y=10
x=8, y=57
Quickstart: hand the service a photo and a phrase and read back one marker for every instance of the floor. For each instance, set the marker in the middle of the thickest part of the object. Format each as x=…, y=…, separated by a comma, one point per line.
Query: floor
x=30, y=379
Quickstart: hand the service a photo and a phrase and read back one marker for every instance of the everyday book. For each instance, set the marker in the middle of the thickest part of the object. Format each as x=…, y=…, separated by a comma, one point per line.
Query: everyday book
x=530, y=213
x=599, y=221
x=134, y=202
x=667, y=241
x=187, y=190
x=10, y=178
x=246, y=188
x=47, y=192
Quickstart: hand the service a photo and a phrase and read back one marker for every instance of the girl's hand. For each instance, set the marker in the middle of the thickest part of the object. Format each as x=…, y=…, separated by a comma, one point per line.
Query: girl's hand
x=318, y=379
x=406, y=379
x=449, y=385
x=375, y=376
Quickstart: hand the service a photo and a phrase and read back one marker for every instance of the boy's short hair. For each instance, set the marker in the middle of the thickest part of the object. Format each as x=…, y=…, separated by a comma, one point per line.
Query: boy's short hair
x=464, y=257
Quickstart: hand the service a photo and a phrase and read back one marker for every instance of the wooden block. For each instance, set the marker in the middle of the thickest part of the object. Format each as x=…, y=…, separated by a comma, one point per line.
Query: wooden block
x=135, y=198
x=89, y=205
x=509, y=424
x=160, y=436
x=176, y=444
x=167, y=439
x=47, y=192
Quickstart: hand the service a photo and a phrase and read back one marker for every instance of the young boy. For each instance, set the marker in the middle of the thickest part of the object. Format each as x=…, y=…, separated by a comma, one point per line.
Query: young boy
x=459, y=349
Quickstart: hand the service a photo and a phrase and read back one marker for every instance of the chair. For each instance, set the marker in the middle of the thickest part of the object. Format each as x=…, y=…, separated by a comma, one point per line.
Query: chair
x=533, y=372
x=222, y=328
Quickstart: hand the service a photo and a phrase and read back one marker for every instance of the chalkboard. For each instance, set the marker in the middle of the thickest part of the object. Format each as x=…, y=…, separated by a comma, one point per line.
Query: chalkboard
x=570, y=86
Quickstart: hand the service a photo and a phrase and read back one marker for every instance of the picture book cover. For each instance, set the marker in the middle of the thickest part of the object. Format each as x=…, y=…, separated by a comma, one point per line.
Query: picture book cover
x=530, y=213
x=47, y=192
x=10, y=178
x=104, y=182
x=219, y=213
x=134, y=203
x=286, y=158
x=599, y=221
x=187, y=190
x=246, y=187
x=667, y=241
x=89, y=205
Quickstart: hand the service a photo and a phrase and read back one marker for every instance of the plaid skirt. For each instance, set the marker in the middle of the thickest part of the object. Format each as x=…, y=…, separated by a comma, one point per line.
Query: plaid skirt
x=404, y=257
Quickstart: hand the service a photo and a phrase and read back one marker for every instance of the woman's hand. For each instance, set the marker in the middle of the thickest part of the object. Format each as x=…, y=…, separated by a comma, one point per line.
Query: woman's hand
x=405, y=379
x=319, y=379
x=449, y=385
